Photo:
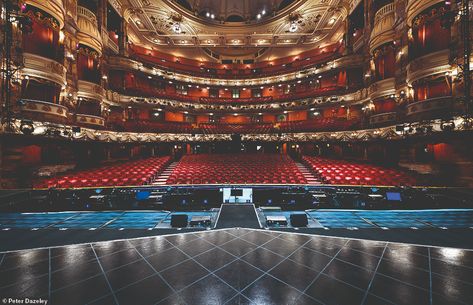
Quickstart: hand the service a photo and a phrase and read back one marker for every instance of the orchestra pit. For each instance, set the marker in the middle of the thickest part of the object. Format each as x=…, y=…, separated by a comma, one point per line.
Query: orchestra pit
x=230, y=152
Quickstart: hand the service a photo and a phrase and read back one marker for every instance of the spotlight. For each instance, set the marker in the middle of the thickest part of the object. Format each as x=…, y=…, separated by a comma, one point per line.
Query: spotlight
x=26, y=126
x=293, y=27
x=176, y=28
x=447, y=126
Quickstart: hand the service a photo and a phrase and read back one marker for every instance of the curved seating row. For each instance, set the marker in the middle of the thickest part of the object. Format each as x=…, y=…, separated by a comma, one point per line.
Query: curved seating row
x=351, y=173
x=139, y=172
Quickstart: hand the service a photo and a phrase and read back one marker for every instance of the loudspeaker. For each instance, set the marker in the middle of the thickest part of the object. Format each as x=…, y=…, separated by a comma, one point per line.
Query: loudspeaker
x=179, y=221
x=400, y=128
x=76, y=129
x=299, y=220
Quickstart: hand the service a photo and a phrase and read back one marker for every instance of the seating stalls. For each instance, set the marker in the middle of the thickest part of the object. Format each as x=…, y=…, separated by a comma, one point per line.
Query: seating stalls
x=236, y=169
x=131, y=173
x=350, y=173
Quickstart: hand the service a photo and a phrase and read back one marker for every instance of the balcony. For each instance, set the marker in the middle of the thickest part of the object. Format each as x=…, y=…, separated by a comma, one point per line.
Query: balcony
x=428, y=65
x=88, y=33
x=90, y=90
x=382, y=88
x=90, y=120
x=254, y=100
x=416, y=7
x=383, y=118
x=45, y=68
x=109, y=42
x=383, y=31
x=55, y=8
x=431, y=108
x=44, y=111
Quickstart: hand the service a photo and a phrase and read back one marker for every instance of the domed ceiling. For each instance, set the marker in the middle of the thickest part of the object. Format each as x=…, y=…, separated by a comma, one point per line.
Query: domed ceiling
x=234, y=28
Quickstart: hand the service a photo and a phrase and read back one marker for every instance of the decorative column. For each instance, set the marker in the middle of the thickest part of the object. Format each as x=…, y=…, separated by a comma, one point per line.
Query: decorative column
x=123, y=38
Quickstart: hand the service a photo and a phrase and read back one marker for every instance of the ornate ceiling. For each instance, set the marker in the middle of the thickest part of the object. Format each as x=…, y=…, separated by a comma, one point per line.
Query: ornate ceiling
x=314, y=23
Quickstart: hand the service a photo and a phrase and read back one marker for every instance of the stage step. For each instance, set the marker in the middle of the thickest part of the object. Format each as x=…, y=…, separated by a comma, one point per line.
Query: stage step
x=164, y=176
x=311, y=179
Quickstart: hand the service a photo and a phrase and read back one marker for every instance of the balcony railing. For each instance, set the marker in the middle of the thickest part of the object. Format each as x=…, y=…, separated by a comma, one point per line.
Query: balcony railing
x=383, y=11
x=90, y=120
x=434, y=107
x=43, y=111
x=87, y=14
x=383, y=118
x=383, y=31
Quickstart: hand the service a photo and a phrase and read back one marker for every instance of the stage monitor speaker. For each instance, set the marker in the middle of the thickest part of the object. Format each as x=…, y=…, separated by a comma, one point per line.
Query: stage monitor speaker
x=179, y=221
x=299, y=220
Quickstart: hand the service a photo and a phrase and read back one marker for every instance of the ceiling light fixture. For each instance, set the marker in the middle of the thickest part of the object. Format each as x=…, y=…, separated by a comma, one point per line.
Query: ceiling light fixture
x=176, y=28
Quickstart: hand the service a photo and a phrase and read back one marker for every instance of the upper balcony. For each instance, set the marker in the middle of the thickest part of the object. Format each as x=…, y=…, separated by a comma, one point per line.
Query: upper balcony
x=383, y=30
x=430, y=64
x=55, y=8
x=430, y=32
x=45, y=68
x=191, y=67
x=382, y=88
x=257, y=80
x=88, y=33
x=45, y=39
x=416, y=7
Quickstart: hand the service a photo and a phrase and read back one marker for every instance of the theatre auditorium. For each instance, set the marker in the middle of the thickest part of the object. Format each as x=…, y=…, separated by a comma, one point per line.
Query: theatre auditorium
x=227, y=152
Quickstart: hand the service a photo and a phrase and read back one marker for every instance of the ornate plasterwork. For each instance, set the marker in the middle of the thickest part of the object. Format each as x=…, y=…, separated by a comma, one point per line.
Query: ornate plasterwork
x=45, y=68
x=88, y=33
x=383, y=29
x=122, y=63
x=382, y=88
x=54, y=8
x=86, y=134
x=431, y=64
x=319, y=22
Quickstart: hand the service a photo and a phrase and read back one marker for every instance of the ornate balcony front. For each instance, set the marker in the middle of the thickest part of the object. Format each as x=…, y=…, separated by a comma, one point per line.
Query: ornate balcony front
x=416, y=7
x=382, y=88
x=383, y=118
x=383, y=31
x=41, y=67
x=88, y=33
x=431, y=108
x=428, y=65
x=90, y=90
x=90, y=120
x=44, y=111
x=55, y=8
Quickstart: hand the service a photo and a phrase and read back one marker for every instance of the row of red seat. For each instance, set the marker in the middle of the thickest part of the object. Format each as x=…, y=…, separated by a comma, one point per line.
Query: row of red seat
x=236, y=169
x=131, y=173
x=345, y=172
